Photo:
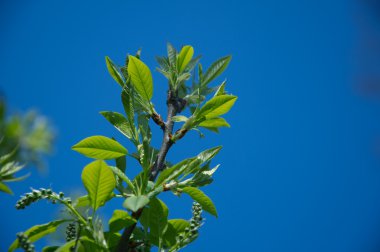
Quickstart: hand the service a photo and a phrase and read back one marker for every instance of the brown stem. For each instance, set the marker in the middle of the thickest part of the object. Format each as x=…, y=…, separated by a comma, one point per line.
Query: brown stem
x=175, y=105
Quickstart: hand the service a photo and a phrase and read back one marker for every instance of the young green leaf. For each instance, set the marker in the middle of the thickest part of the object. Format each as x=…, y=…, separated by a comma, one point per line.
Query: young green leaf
x=168, y=174
x=134, y=203
x=82, y=201
x=5, y=188
x=217, y=106
x=50, y=249
x=122, y=176
x=172, y=55
x=185, y=57
x=214, y=123
x=175, y=227
x=99, y=182
x=158, y=217
x=221, y=89
x=179, y=118
x=141, y=78
x=202, y=199
x=37, y=232
x=119, y=121
x=100, y=147
x=114, y=72
x=215, y=69
x=120, y=219
x=208, y=154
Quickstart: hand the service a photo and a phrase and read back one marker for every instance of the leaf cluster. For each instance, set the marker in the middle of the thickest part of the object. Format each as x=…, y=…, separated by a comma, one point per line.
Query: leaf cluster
x=142, y=222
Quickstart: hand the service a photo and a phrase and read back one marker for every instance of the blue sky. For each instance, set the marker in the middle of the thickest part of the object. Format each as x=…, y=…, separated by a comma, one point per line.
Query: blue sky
x=299, y=168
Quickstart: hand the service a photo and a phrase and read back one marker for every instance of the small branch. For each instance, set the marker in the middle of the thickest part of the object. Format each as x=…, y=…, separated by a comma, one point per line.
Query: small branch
x=158, y=120
x=175, y=105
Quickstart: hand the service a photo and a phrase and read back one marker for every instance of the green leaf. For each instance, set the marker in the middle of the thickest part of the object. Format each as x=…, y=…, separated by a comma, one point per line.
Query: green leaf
x=158, y=217
x=179, y=118
x=184, y=57
x=120, y=219
x=217, y=106
x=50, y=249
x=134, y=203
x=121, y=175
x=114, y=72
x=82, y=201
x=172, y=54
x=141, y=78
x=215, y=69
x=175, y=227
x=112, y=240
x=202, y=199
x=121, y=163
x=37, y=232
x=168, y=173
x=221, y=89
x=155, y=217
x=214, y=123
x=119, y=121
x=99, y=182
x=100, y=147
x=5, y=188
x=208, y=154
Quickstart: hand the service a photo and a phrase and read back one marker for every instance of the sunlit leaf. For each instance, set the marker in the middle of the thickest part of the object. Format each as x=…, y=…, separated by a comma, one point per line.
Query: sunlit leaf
x=134, y=203
x=141, y=77
x=215, y=69
x=217, y=106
x=120, y=219
x=202, y=199
x=184, y=57
x=100, y=147
x=37, y=232
x=99, y=182
x=114, y=72
x=119, y=121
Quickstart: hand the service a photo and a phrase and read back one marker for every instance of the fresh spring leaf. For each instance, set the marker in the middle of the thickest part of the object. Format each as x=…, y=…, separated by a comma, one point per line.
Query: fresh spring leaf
x=37, y=232
x=156, y=218
x=187, y=166
x=100, y=147
x=99, y=182
x=168, y=174
x=185, y=57
x=208, y=154
x=120, y=219
x=214, y=123
x=202, y=199
x=83, y=201
x=5, y=188
x=217, y=106
x=119, y=121
x=114, y=72
x=141, y=78
x=122, y=176
x=215, y=69
x=221, y=89
x=134, y=203
x=172, y=54
x=179, y=118
x=175, y=227
x=50, y=249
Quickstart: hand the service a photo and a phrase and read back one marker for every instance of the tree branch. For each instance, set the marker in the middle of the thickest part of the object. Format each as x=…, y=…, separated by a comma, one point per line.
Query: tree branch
x=175, y=105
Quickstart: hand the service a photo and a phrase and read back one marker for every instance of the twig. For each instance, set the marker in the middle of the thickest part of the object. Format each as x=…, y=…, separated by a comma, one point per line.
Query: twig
x=175, y=105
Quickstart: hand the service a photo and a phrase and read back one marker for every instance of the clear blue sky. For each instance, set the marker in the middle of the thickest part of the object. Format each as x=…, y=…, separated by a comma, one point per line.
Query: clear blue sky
x=299, y=165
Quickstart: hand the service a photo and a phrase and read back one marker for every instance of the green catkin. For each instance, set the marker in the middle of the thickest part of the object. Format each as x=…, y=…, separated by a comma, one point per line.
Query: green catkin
x=71, y=232
x=25, y=243
x=36, y=195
